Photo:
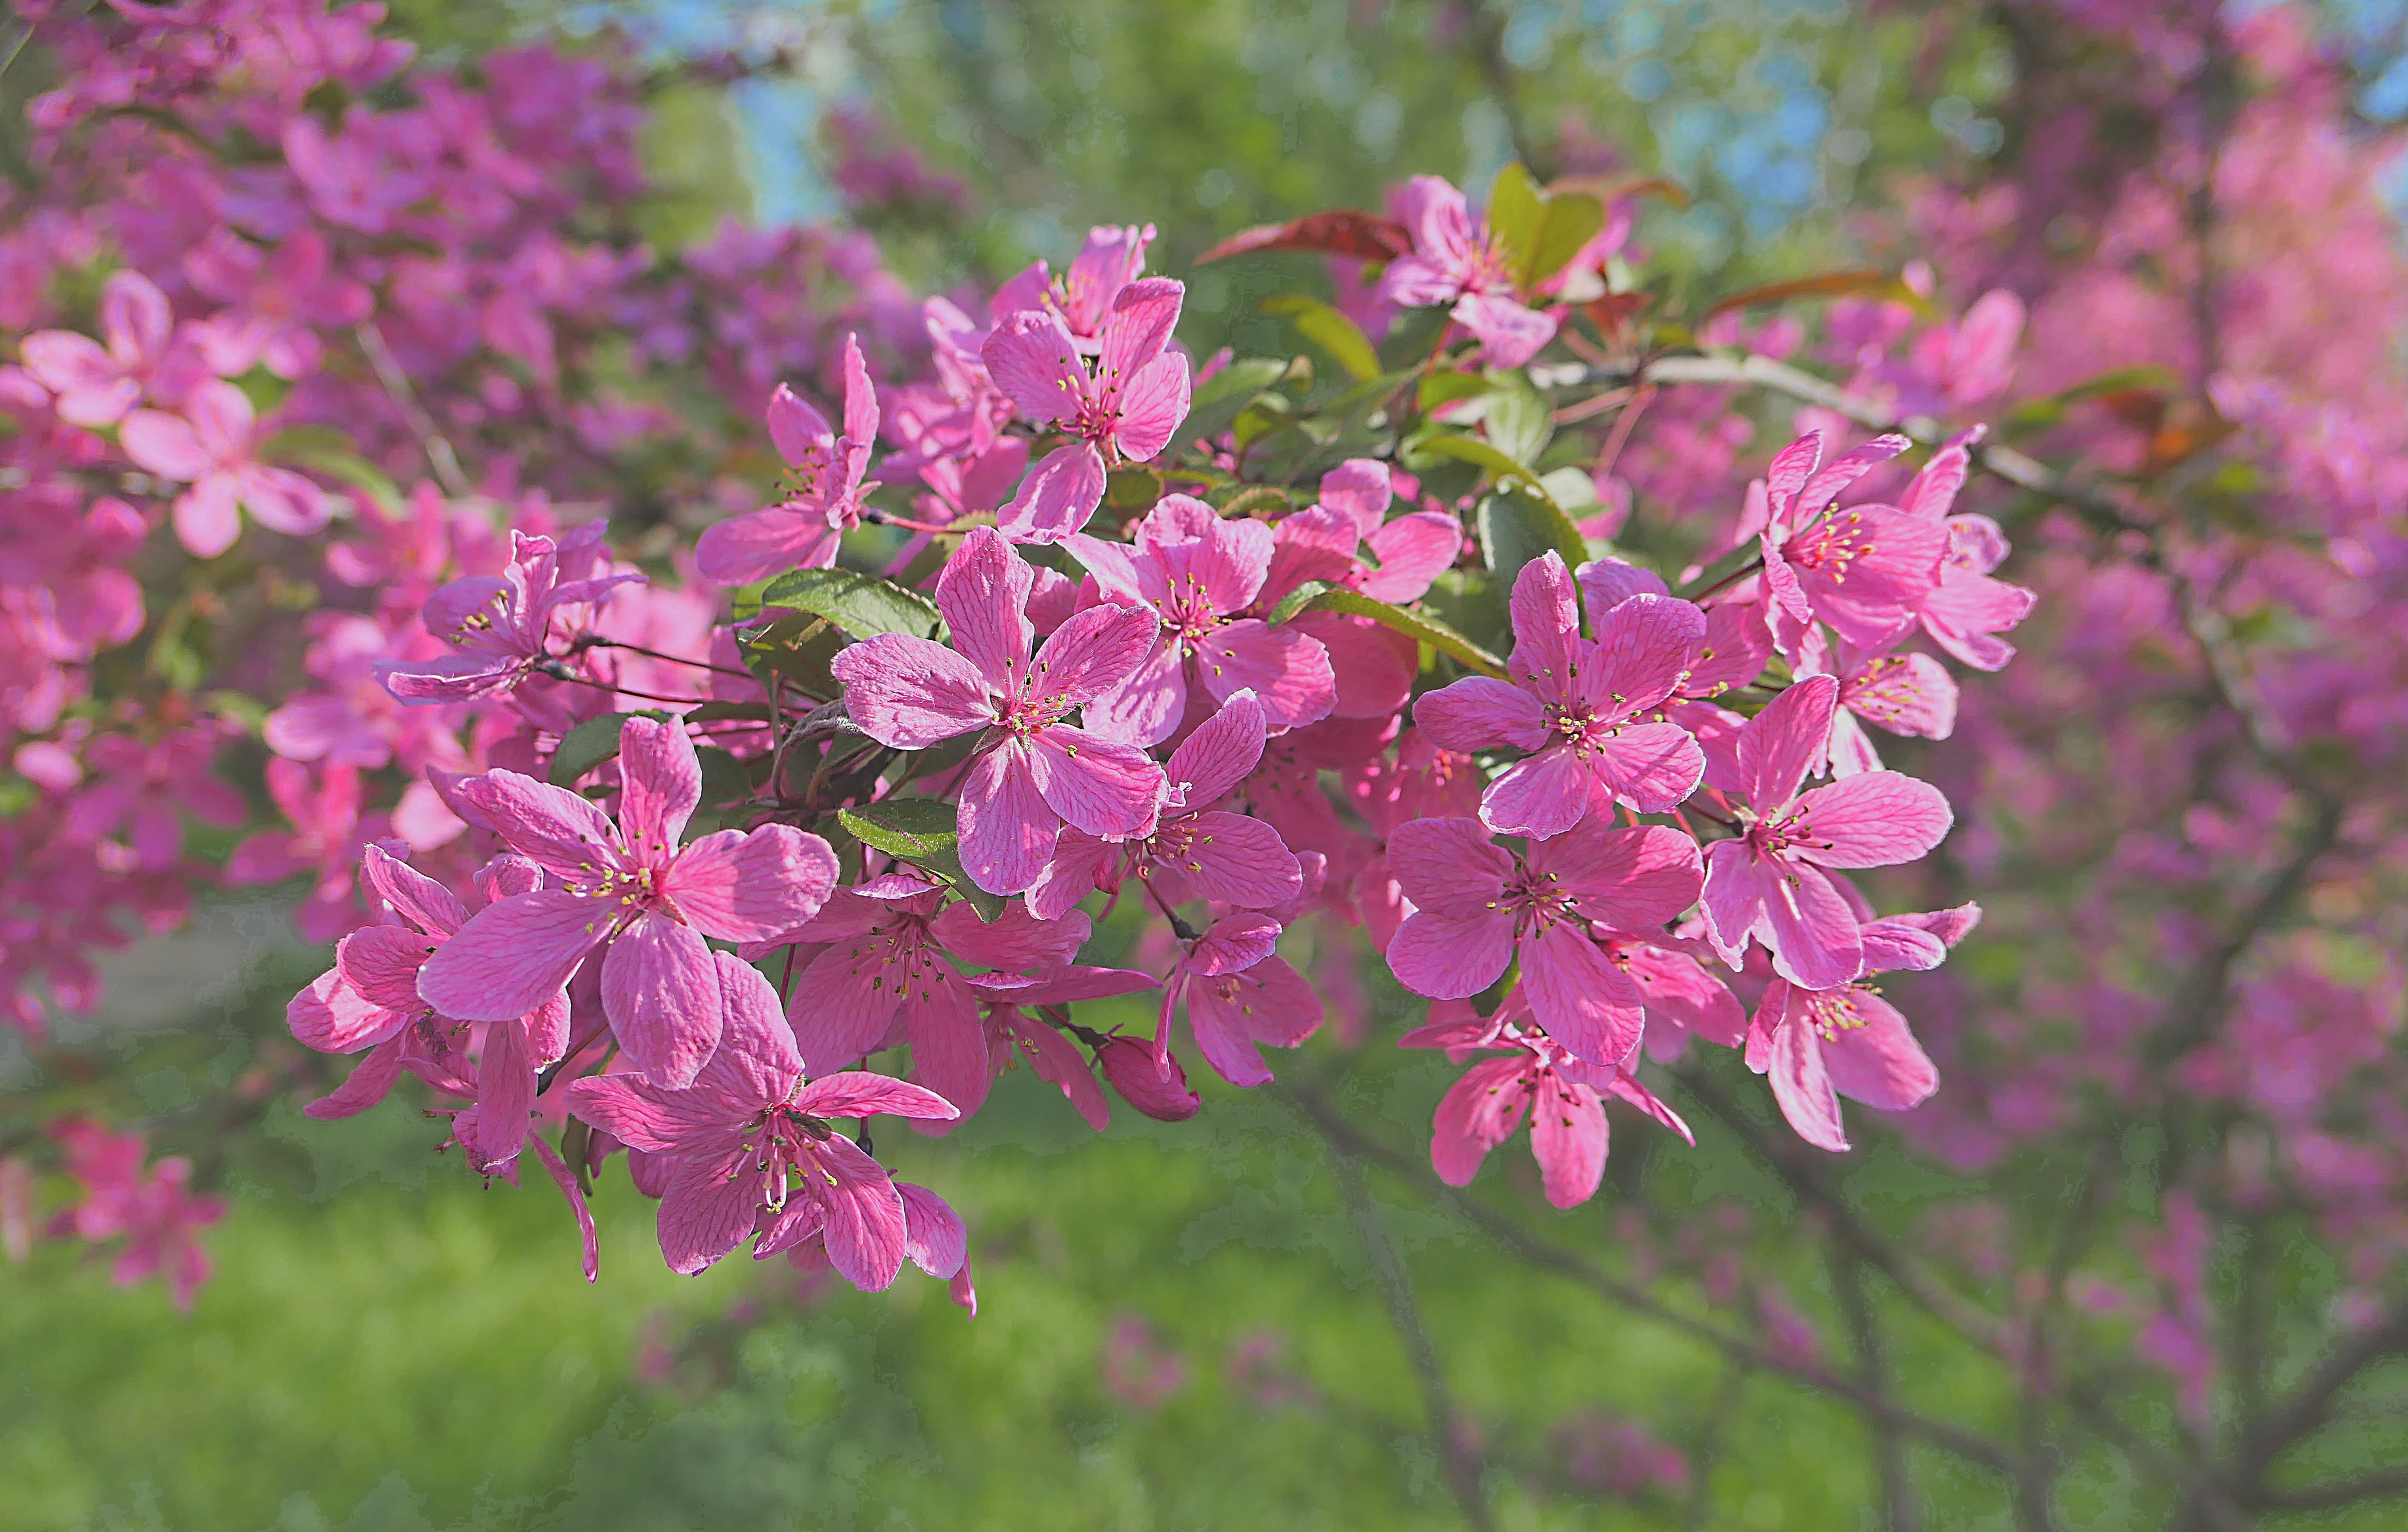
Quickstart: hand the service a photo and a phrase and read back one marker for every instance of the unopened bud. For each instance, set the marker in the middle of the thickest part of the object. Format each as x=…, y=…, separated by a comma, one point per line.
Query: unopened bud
x=1156, y=1087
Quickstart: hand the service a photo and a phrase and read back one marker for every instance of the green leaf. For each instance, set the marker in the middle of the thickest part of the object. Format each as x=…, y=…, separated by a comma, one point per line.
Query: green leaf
x=1330, y=329
x=863, y=605
x=590, y=744
x=1257, y=500
x=2038, y=414
x=914, y=829
x=924, y=832
x=1312, y=595
x=1220, y=399
x=1515, y=528
x=1517, y=418
x=1544, y=232
x=327, y=451
x=1570, y=488
x=1831, y=284
x=1131, y=490
x=797, y=650
x=1439, y=388
x=1483, y=454
x=724, y=781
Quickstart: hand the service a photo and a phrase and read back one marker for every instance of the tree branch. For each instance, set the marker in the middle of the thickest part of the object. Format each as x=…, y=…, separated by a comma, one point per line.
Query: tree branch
x=1458, y=1464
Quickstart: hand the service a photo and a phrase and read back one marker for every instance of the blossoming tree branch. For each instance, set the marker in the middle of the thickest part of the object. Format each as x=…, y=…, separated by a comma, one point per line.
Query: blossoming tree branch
x=742, y=708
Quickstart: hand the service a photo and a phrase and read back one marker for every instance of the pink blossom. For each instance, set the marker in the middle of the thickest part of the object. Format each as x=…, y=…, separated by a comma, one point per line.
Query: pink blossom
x=1965, y=610
x=627, y=885
x=1147, y=1078
x=1125, y=411
x=1579, y=706
x=1768, y=881
x=213, y=446
x=1846, y=1040
x=155, y=1215
x=96, y=386
x=748, y=1147
x=1479, y=907
x=323, y=807
x=1865, y=570
x=880, y=977
x=1457, y=261
x=1032, y=772
x=803, y=531
x=1084, y=296
x=1007, y=1000
x=1195, y=850
x=1239, y=995
x=1564, y=1095
x=277, y=303
x=1193, y=573
x=503, y=628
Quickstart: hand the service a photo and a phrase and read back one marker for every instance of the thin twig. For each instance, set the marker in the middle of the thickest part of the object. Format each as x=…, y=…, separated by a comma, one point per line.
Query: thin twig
x=1460, y=1465
x=440, y=455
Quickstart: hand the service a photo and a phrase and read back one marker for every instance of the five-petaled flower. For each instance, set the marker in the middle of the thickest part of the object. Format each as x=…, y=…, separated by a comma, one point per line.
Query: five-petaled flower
x=749, y=1146
x=629, y=884
x=1586, y=710
x=1033, y=771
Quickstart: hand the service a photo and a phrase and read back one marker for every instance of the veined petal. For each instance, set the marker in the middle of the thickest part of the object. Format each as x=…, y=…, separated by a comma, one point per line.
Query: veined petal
x=513, y=956
x=1448, y=867
x=1479, y=712
x=1103, y=788
x=911, y=692
x=1576, y=993
x=1568, y=1138
x=660, y=785
x=754, y=886
x=660, y=988
x=1789, y=739
x=561, y=833
x=1450, y=957
x=983, y=594
x=1007, y=828
x=1873, y=819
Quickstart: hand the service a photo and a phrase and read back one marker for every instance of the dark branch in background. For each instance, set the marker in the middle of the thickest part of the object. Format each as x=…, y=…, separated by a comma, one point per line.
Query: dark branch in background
x=1457, y=1461
x=395, y=383
x=1509, y=1231
x=1872, y=1371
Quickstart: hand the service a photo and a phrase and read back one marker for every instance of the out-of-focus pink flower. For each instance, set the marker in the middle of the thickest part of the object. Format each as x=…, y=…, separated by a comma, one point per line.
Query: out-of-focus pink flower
x=213, y=446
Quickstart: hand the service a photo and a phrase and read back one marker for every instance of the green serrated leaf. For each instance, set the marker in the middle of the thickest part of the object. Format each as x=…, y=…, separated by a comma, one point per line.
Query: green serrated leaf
x=1515, y=528
x=1314, y=596
x=1330, y=329
x=863, y=605
x=914, y=829
x=590, y=744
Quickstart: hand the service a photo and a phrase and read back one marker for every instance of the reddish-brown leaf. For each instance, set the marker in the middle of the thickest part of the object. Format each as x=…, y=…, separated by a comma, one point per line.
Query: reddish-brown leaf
x=1341, y=231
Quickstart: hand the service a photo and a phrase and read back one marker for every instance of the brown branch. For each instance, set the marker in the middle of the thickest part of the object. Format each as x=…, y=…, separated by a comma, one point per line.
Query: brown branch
x=1458, y=1464
x=1872, y=1371
x=1507, y=1232
x=2311, y=1404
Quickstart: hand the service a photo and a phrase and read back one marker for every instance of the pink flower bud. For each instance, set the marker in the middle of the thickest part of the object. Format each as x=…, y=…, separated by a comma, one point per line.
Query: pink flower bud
x=1156, y=1088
